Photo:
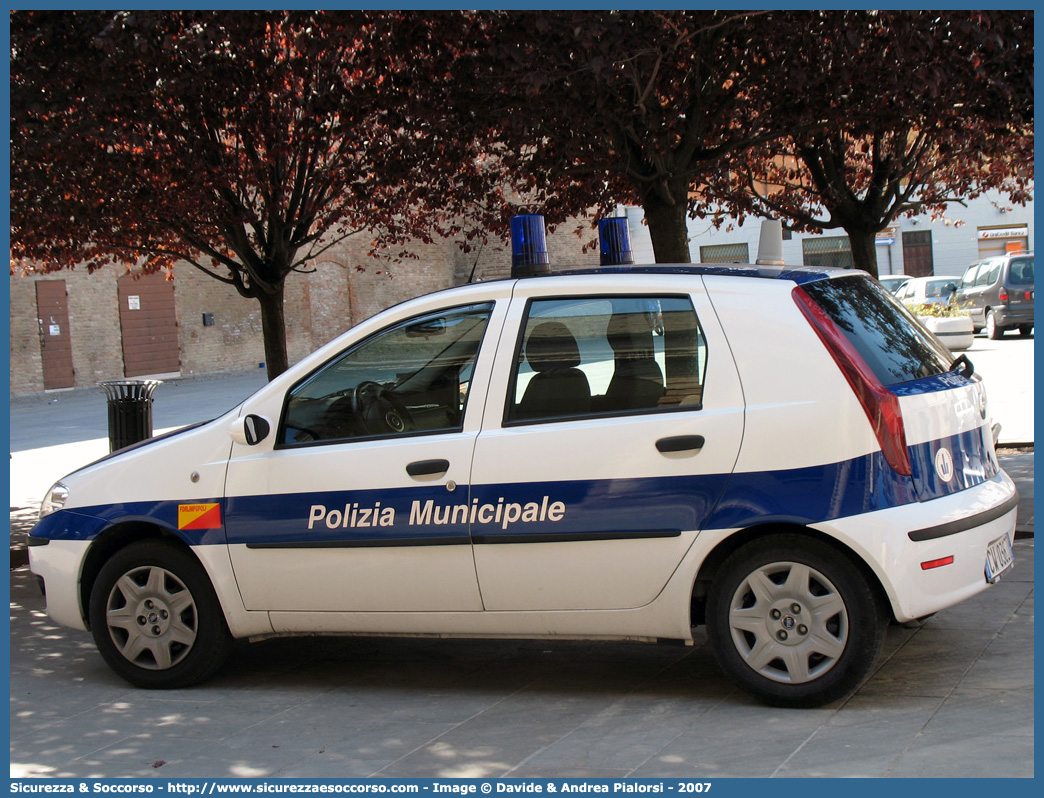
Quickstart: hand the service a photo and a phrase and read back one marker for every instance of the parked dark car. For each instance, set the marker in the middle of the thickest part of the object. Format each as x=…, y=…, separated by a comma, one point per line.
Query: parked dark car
x=998, y=293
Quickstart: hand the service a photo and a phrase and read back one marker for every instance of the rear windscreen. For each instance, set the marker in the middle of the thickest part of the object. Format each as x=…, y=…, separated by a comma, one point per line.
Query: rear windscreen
x=1020, y=272
x=895, y=347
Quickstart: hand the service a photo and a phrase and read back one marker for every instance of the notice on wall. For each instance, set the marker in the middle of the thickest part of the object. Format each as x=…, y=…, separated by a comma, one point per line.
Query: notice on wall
x=55, y=329
x=134, y=303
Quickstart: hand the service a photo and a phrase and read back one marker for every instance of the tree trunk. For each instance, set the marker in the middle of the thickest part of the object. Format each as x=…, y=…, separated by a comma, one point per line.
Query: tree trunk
x=273, y=328
x=864, y=250
x=667, y=229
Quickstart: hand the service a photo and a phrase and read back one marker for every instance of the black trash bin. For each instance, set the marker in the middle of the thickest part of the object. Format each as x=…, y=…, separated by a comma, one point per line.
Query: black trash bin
x=130, y=411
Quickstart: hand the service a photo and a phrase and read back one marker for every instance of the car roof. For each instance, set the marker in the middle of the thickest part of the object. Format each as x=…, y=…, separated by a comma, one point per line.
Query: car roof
x=1019, y=254
x=800, y=275
x=797, y=274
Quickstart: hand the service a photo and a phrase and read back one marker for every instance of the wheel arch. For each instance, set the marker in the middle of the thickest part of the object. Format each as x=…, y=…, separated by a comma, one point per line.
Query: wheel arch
x=712, y=563
x=111, y=541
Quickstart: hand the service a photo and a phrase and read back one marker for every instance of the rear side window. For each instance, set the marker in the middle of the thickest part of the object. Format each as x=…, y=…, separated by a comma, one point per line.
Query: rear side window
x=607, y=355
x=895, y=347
x=1021, y=271
x=991, y=276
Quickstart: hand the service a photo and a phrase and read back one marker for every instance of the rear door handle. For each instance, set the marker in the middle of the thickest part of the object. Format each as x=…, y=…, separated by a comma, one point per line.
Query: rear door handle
x=680, y=443
x=425, y=468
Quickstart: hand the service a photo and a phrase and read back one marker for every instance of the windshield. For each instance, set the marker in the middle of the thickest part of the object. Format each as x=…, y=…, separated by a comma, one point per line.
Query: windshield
x=939, y=288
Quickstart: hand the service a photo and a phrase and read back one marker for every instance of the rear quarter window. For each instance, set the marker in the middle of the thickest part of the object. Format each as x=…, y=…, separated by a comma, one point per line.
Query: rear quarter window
x=893, y=344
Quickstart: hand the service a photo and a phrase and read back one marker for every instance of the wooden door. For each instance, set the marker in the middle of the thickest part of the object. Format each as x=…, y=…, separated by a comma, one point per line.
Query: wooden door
x=52, y=305
x=149, y=324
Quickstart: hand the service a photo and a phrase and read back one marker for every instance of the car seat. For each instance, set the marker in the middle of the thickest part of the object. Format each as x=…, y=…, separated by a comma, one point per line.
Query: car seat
x=558, y=388
x=637, y=380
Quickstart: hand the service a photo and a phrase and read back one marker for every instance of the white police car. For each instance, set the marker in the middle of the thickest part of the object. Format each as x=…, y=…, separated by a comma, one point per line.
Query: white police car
x=781, y=454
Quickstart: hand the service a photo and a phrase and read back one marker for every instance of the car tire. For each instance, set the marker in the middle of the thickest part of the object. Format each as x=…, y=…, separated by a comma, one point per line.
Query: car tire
x=993, y=332
x=794, y=622
x=155, y=617
x=1025, y=330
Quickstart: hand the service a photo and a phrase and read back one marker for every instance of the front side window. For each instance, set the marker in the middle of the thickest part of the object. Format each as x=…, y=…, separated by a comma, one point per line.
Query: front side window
x=969, y=276
x=588, y=356
x=411, y=378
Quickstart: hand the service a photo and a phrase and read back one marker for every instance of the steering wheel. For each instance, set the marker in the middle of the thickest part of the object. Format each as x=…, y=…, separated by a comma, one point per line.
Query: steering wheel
x=379, y=410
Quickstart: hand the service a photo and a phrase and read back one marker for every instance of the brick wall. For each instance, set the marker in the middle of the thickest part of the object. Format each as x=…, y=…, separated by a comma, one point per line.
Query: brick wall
x=344, y=287
x=93, y=320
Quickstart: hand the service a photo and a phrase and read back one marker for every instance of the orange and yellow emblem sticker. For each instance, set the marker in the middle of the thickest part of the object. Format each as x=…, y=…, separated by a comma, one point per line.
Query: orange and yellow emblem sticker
x=199, y=516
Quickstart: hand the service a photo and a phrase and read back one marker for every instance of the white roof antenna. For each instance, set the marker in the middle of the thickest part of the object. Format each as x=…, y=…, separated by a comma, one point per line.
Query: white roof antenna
x=770, y=245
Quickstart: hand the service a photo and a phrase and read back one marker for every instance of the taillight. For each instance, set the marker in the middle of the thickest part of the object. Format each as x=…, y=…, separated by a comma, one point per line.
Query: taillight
x=1003, y=295
x=880, y=405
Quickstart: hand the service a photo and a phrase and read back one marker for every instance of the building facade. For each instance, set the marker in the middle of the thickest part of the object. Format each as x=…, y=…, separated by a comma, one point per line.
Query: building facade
x=71, y=329
x=917, y=246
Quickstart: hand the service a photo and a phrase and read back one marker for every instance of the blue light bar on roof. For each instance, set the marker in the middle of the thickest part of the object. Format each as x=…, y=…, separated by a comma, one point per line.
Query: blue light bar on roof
x=528, y=246
x=615, y=242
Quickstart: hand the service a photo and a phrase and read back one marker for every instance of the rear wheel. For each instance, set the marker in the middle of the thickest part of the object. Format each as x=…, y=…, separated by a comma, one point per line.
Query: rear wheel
x=793, y=622
x=155, y=617
x=992, y=330
x=1025, y=330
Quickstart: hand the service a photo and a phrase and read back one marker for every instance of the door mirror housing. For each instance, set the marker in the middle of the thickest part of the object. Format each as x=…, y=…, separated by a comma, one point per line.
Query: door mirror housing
x=249, y=430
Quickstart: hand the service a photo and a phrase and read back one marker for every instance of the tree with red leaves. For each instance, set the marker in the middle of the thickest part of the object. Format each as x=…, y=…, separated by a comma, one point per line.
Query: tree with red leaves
x=925, y=109
x=242, y=143
x=590, y=109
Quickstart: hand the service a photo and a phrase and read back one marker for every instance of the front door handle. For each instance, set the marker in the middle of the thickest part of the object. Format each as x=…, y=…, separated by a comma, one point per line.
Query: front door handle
x=426, y=468
x=680, y=443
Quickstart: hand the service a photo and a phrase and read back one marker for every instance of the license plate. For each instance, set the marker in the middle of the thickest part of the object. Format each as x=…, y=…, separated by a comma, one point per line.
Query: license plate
x=999, y=558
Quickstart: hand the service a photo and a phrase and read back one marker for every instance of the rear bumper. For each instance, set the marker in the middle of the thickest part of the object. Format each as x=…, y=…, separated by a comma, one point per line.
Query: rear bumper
x=1014, y=316
x=897, y=542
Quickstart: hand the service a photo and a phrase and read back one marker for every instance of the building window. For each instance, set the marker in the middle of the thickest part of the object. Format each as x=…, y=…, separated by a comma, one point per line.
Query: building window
x=917, y=253
x=725, y=253
x=825, y=252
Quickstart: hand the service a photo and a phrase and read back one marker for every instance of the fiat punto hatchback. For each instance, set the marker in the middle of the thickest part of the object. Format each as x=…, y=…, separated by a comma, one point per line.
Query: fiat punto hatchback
x=782, y=455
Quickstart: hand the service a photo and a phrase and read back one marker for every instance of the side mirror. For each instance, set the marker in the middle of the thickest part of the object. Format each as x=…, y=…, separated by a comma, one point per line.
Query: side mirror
x=426, y=329
x=249, y=430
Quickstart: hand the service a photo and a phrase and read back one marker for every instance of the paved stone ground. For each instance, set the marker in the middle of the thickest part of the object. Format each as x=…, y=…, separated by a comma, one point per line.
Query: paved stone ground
x=951, y=698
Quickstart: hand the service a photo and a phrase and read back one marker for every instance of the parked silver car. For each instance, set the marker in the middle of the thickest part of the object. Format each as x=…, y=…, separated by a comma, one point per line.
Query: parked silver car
x=927, y=290
x=893, y=282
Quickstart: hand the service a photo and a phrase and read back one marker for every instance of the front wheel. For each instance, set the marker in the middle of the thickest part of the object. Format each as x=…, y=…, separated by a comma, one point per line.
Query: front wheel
x=155, y=617
x=793, y=622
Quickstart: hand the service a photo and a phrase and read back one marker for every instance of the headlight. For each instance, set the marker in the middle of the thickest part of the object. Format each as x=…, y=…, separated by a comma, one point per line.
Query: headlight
x=54, y=500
